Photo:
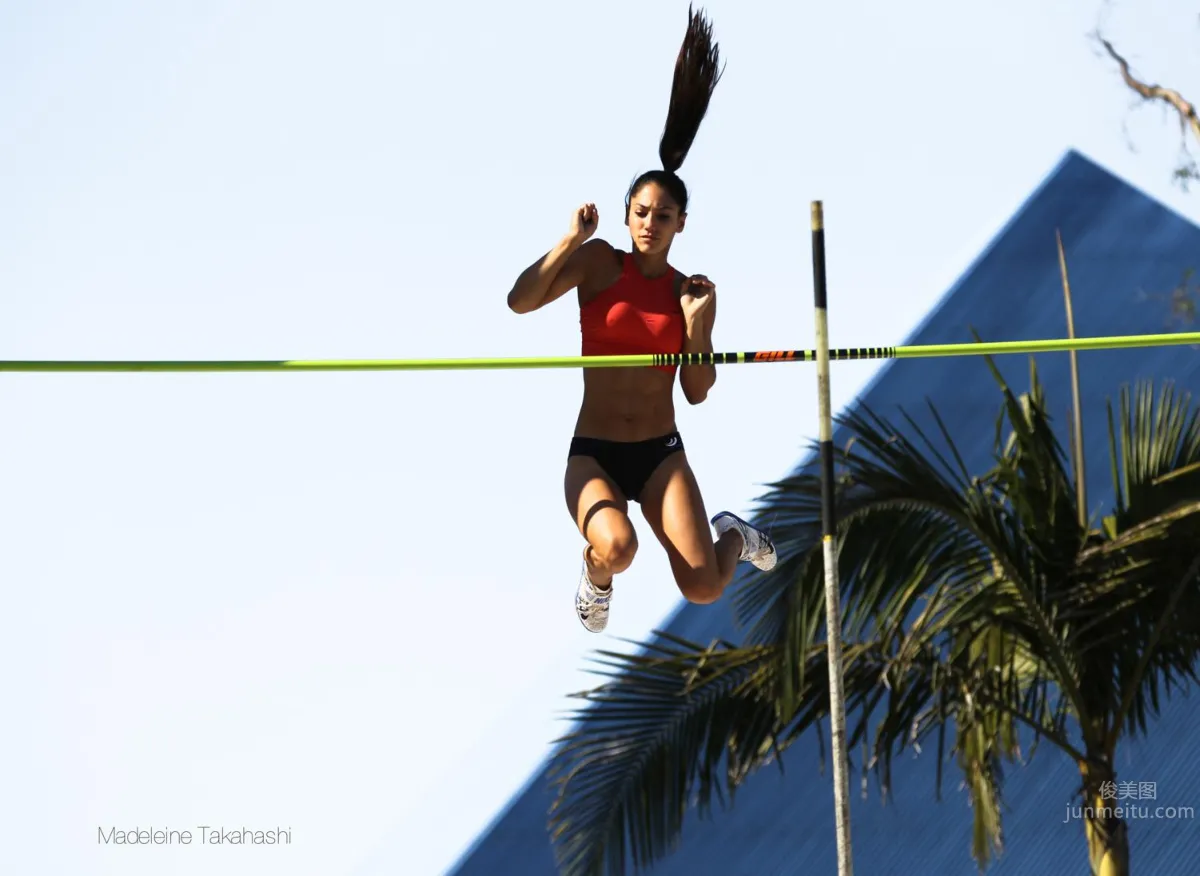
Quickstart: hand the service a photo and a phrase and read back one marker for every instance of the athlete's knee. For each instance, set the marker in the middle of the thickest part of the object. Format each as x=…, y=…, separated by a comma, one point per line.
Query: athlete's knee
x=700, y=586
x=614, y=547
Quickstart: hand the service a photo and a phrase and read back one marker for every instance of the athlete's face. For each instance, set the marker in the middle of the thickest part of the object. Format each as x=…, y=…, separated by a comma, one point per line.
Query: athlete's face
x=654, y=219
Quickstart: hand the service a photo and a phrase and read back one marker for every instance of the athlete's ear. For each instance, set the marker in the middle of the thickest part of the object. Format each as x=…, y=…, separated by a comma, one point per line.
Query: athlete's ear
x=682, y=222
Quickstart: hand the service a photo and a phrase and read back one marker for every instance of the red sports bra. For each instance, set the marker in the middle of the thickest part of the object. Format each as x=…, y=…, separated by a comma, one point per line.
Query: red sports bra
x=636, y=314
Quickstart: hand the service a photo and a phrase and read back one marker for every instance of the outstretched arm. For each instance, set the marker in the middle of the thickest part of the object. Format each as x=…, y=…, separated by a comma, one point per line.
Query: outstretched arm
x=699, y=302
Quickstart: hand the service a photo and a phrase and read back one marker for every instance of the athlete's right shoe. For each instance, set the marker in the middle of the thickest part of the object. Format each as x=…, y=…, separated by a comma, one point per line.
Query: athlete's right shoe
x=591, y=603
x=757, y=547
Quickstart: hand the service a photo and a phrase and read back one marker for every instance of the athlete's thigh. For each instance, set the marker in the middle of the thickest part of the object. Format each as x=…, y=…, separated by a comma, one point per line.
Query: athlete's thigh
x=674, y=509
x=597, y=505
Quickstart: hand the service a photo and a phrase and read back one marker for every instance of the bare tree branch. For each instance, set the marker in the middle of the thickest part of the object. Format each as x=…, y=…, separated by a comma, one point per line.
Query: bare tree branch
x=1184, y=108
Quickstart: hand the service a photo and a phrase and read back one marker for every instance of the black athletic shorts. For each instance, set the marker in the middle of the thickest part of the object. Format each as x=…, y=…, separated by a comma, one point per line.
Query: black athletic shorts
x=628, y=463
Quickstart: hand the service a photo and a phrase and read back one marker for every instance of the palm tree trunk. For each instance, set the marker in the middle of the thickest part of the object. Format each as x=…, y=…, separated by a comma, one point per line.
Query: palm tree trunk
x=1106, y=831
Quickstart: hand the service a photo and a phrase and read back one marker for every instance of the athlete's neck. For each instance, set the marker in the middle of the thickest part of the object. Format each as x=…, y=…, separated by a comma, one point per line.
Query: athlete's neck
x=651, y=266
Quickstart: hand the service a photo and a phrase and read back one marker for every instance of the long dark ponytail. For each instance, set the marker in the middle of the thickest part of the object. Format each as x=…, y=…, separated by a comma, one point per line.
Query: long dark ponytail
x=697, y=72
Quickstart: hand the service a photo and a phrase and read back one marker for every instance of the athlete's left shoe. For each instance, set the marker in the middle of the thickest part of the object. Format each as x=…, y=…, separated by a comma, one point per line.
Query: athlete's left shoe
x=757, y=547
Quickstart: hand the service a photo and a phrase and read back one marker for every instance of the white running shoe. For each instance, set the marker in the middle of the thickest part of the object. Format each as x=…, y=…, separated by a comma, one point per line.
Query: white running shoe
x=591, y=603
x=757, y=547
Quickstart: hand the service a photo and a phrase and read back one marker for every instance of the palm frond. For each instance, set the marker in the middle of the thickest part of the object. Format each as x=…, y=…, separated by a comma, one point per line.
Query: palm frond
x=1134, y=617
x=1155, y=453
x=680, y=726
x=673, y=727
x=1035, y=478
x=879, y=468
x=910, y=521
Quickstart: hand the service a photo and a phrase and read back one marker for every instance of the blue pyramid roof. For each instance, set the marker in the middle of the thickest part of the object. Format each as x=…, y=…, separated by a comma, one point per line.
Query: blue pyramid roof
x=1125, y=253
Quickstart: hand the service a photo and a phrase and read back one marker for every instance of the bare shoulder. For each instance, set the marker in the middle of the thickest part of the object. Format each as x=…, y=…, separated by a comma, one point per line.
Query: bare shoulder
x=597, y=252
x=602, y=265
x=593, y=260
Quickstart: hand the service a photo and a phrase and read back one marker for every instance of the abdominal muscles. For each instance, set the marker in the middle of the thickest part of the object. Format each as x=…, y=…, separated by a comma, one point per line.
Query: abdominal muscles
x=626, y=404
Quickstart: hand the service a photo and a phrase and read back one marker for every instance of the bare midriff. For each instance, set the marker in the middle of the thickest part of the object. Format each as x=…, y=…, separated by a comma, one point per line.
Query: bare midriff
x=626, y=404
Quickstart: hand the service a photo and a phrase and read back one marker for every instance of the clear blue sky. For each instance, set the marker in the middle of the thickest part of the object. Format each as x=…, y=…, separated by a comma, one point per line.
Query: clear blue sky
x=341, y=603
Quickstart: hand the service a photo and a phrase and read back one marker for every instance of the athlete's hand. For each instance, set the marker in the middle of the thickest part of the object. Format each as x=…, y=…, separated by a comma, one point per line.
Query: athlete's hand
x=584, y=222
x=696, y=296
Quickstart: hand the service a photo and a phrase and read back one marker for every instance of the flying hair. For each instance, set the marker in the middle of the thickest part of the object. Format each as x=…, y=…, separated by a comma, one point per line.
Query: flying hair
x=697, y=71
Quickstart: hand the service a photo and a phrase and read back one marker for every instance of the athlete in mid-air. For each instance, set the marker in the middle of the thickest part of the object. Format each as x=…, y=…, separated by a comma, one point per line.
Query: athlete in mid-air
x=626, y=444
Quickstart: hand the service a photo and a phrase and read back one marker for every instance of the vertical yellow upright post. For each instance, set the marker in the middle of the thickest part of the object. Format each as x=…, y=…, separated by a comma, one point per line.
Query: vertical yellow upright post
x=833, y=613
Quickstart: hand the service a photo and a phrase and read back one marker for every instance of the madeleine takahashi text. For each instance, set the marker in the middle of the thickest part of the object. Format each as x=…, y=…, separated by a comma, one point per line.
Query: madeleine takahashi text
x=203, y=835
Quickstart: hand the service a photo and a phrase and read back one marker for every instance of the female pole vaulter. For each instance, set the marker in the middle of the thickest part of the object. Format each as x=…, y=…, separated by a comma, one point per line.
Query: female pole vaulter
x=626, y=445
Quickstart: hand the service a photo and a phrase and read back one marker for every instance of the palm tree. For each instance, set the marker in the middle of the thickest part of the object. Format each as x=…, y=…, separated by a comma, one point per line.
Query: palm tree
x=977, y=609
